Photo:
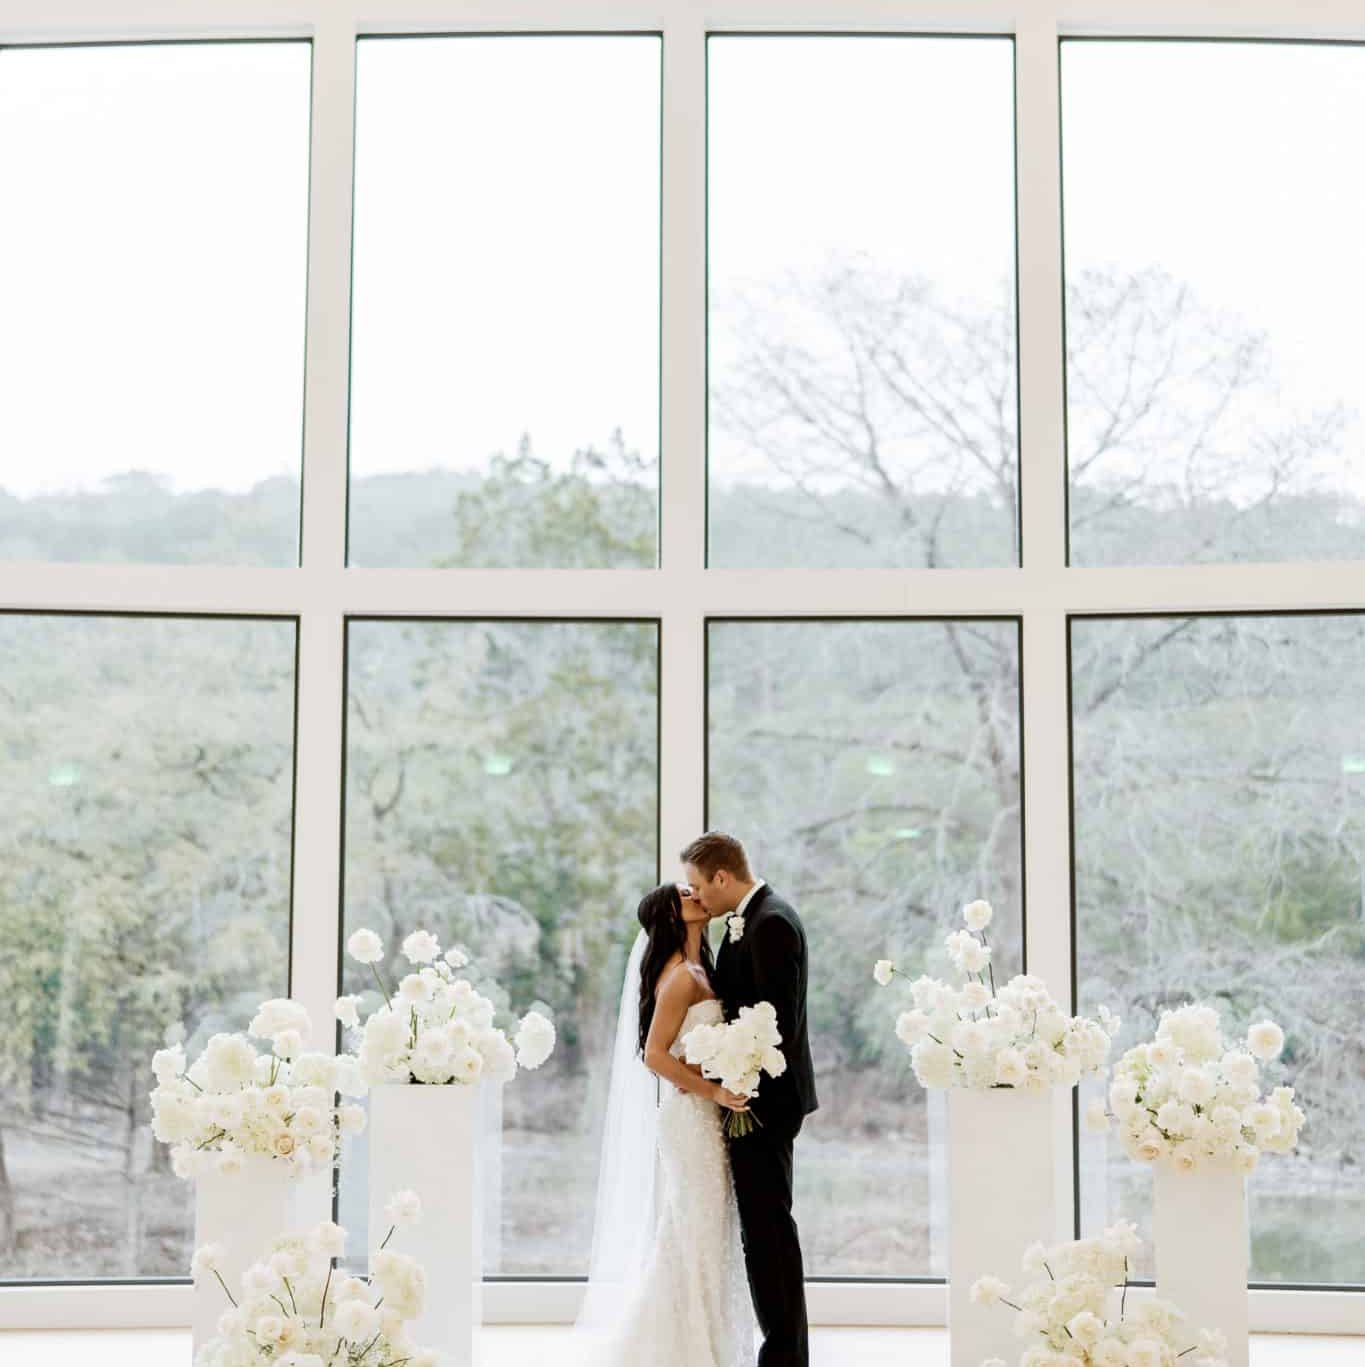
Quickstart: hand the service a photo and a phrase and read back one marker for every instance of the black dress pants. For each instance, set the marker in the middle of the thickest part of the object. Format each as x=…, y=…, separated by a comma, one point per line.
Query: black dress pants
x=762, y=1166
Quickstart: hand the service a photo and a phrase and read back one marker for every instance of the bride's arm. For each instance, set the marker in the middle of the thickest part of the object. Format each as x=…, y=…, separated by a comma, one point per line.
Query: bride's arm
x=676, y=993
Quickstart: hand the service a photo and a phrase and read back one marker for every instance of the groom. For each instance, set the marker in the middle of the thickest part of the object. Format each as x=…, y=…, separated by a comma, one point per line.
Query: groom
x=763, y=958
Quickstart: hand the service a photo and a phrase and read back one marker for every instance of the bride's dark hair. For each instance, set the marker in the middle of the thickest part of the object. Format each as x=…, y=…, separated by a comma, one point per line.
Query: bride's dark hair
x=660, y=915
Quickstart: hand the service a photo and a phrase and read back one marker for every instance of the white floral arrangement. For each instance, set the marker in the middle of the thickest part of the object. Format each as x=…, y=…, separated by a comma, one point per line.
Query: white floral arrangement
x=292, y=1310
x=234, y=1101
x=1190, y=1098
x=433, y=1026
x=1077, y=1313
x=736, y=1054
x=975, y=1035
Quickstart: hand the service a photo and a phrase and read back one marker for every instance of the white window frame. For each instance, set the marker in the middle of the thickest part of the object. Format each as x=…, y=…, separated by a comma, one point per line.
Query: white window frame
x=681, y=593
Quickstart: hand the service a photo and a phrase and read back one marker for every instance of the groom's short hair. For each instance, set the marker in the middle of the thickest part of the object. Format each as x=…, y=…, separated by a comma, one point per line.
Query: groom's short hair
x=715, y=851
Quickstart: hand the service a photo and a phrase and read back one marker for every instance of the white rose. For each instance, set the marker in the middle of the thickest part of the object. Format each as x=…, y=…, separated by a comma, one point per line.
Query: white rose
x=535, y=1040
x=278, y=1014
x=1010, y=1068
x=1096, y=1117
x=288, y=1044
x=977, y=915
x=989, y=1291
x=1184, y=1160
x=911, y=1027
x=168, y=1064
x=208, y=1259
x=976, y=996
x=415, y=989
x=883, y=972
x=328, y=1239
x=356, y=1321
x=457, y=956
x=467, y=1065
x=1149, y=1147
x=1086, y=1328
x=933, y=1064
x=1265, y=1040
x=1146, y=1353
x=975, y=957
x=421, y=947
x=365, y=947
x=403, y=1208
x=347, y=1012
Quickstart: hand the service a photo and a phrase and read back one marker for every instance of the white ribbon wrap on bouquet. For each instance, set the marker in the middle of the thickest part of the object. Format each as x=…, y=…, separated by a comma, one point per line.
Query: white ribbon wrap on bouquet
x=424, y=1138
x=1004, y=1185
x=245, y=1214
x=1199, y=1229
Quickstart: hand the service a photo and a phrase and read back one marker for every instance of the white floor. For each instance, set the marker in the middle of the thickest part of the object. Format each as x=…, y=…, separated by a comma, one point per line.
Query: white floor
x=528, y=1347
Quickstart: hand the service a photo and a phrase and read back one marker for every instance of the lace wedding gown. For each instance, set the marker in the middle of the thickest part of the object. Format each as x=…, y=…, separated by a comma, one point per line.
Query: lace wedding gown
x=690, y=1307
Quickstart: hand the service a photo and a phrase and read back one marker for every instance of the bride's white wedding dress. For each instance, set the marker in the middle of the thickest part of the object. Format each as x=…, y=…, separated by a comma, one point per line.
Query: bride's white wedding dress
x=690, y=1305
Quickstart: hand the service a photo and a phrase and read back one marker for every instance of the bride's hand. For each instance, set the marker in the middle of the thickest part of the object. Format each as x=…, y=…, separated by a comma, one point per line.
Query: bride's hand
x=730, y=1100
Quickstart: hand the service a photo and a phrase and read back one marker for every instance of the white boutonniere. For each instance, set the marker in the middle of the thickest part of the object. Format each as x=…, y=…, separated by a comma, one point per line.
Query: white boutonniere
x=736, y=929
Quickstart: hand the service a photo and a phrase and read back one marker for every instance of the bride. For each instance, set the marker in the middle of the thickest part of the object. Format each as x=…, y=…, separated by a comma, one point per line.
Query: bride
x=667, y=1284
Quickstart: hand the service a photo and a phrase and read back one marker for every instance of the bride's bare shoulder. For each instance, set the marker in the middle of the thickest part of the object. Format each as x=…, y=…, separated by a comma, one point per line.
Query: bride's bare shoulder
x=678, y=982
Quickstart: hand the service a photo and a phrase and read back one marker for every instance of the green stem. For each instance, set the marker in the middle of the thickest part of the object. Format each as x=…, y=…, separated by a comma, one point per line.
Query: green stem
x=375, y=970
x=231, y=1298
x=322, y=1314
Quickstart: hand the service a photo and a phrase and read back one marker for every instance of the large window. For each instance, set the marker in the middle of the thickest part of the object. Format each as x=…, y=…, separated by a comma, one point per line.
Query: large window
x=147, y=780
x=501, y=791
x=505, y=380
x=873, y=770
x=708, y=418
x=1214, y=286
x=862, y=304
x=153, y=262
x=1220, y=848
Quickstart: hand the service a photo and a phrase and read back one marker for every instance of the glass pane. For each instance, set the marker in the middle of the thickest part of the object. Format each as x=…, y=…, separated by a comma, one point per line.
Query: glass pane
x=862, y=304
x=1220, y=841
x=872, y=770
x=1215, y=278
x=505, y=335
x=147, y=777
x=153, y=263
x=502, y=791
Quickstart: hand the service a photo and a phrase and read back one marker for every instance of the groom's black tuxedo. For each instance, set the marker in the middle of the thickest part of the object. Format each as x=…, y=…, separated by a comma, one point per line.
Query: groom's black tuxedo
x=769, y=964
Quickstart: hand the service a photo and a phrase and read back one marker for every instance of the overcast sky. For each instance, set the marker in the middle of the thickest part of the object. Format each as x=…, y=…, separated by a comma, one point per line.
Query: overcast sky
x=152, y=236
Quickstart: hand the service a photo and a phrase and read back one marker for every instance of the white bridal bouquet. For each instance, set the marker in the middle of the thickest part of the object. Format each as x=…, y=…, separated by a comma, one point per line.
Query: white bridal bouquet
x=736, y=1054
x=975, y=1035
x=1076, y=1312
x=434, y=1027
x=233, y=1101
x=293, y=1310
x=1189, y=1097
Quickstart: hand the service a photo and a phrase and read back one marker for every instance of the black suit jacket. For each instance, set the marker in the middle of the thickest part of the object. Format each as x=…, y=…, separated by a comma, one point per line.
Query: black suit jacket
x=769, y=964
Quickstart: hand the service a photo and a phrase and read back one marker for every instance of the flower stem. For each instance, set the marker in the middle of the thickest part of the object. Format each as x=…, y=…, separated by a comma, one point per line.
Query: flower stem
x=375, y=970
x=232, y=1300
x=322, y=1314
x=387, y=1237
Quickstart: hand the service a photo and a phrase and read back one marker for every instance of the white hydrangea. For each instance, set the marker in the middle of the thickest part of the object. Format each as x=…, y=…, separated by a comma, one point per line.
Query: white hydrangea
x=1188, y=1098
x=438, y=1029
x=980, y=1036
x=233, y=1103
x=292, y=1309
x=1063, y=1317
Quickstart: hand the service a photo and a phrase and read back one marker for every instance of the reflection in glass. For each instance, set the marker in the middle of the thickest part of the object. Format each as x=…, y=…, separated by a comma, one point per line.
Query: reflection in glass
x=153, y=264
x=505, y=333
x=146, y=775
x=872, y=770
x=501, y=791
x=1220, y=842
